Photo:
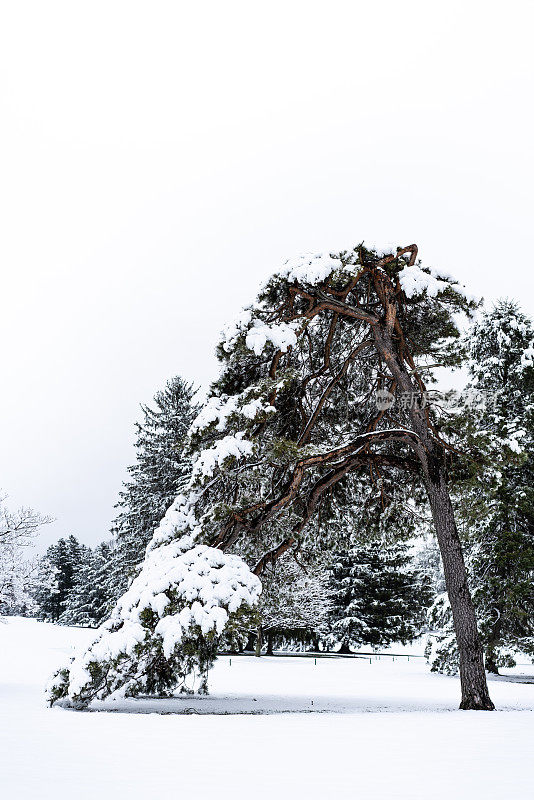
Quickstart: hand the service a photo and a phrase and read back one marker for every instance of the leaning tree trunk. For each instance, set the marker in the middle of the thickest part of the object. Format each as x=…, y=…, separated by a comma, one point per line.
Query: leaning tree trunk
x=431, y=455
x=475, y=694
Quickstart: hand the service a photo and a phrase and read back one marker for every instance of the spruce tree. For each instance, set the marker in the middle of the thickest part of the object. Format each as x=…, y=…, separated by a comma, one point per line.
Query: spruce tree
x=160, y=470
x=104, y=577
x=58, y=571
x=495, y=499
x=378, y=596
x=502, y=536
x=87, y=603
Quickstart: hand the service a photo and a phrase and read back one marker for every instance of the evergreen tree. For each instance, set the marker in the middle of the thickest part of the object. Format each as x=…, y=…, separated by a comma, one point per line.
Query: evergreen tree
x=88, y=600
x=57, y=577
x=104, y=578
x=496, y=499
x=378, y=596
x=160, y=470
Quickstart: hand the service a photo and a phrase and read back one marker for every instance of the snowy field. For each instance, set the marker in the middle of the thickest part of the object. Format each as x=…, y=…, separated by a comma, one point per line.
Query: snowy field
x=380, y=730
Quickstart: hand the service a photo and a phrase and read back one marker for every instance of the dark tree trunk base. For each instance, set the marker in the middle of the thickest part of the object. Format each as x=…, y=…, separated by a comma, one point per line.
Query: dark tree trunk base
x=475, y=694
x=477, y=704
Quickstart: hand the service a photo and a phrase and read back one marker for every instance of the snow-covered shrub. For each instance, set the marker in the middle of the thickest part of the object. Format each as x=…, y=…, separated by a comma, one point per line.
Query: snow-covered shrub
x=162, y=634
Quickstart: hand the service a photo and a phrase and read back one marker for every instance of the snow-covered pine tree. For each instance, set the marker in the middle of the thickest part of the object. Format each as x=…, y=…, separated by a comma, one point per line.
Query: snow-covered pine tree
x=378, y=596
x=87, y=602
x=57, y=576
x=159, y=473
x=162, y=634
x=495, y=500
x=104, y=580
x=291, y=417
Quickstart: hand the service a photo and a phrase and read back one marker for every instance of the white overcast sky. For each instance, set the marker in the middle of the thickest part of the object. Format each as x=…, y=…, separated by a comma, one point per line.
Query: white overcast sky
x=158, y=160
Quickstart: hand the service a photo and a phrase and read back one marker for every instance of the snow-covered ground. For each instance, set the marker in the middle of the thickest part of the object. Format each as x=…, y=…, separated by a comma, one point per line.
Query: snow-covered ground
x=382, y=729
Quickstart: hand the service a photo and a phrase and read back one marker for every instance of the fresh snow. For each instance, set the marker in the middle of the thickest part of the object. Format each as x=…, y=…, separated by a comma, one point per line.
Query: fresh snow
x=179, y=518
x=380, y=728
x=282, y=335
x=414, y=281
x=218, y=409
x=310, y=267
x=210, y=583
x=215, y=456
x=215, y=409
x=258, y=333
x=233, y=329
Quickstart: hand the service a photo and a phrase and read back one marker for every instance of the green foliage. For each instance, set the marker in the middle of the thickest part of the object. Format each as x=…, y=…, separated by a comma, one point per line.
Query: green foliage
x=75, y=583
x=494, y=489
x=160, y=471
x=58, y=572
x=378, y=595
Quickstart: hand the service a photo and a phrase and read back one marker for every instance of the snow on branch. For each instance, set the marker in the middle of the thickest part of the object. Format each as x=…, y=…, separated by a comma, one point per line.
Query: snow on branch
x=220, y=409
x=212, y=457
x=184, y=591
x=257, y=334
x=414, y=281
x=179, y=521
x=282, y=336
x=311, y=268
